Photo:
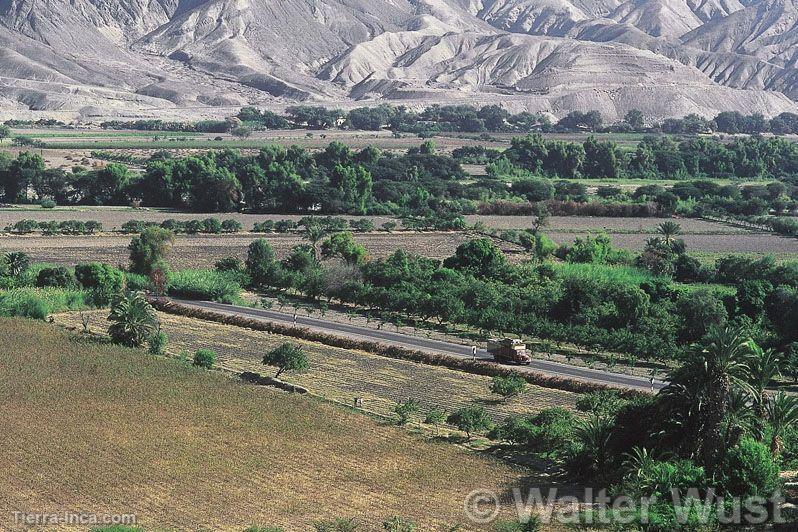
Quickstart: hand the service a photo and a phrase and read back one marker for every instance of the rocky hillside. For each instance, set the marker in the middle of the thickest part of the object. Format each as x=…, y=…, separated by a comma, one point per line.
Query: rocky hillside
x=665, y=57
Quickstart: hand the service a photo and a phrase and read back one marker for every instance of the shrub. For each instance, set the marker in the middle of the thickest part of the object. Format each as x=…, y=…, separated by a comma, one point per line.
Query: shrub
x=361, y=225
x=750, y=470
x=509, y=386
x=204, y=358
x=398, y=524
x=204, y=285
x=229, y=264
x=47, y=203
x=157, y=343
x=336, y=525
x=231, y=226
x=103, y=281
x=211, y=226
x=57, y=277
x=551, y=430
x=135, y=226
x=24, y=226
x=405, y=410
x=263, y=227
x=38, y=303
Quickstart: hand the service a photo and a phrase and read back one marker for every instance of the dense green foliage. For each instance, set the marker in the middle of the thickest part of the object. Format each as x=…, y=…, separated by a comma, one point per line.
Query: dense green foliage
x=133, y=320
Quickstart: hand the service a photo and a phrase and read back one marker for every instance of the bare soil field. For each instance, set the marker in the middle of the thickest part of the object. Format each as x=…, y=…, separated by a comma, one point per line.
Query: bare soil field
x=341, y=375
x=97, y=428
x=114, y=217
x=561, y=224
x=202, y=251
x=763, y=243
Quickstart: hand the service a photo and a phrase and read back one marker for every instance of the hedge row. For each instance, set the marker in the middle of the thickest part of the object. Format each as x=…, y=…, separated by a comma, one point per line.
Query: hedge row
x=476, y=367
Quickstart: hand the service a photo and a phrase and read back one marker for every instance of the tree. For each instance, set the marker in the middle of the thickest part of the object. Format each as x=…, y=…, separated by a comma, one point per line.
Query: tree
x=286, y=357
x=435, y=417
x=261, y=264
x=470, y=419
x=507, y=386
x=782, y=413
x=594, y=436
x=150, y=249
x=241, y=131
x=57, y=277
x=5, y=132
x=25, y=170
x=669, y=230
x=601, y=159
x=480, y=257
x=313, y=233
x=406, y=409
x=17, y=262
x=635, y=119
x=703, y=385
x=343, y=245
x=133, y=320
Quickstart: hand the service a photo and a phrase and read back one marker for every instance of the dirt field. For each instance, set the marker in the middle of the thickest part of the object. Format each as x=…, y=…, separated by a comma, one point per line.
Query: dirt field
x=763, y=243
x=99, y=429
x=202, y=251
x=113, y=217
x=341, y=375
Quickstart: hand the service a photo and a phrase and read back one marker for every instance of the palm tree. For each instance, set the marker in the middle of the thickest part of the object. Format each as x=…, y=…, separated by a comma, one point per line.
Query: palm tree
x=782, y=412
x=716, y=367
x=594, y=435
x=669, y=230
x=765, y=366
x=314, y=232
x=740, y=418
x=17, y=261
x=133, y=320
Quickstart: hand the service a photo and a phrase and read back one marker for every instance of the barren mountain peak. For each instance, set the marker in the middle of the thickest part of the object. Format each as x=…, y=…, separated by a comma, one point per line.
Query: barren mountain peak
x=527, y=54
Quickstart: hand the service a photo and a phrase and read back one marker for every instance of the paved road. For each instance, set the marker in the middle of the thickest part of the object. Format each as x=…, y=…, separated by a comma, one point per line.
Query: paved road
x=410, y=341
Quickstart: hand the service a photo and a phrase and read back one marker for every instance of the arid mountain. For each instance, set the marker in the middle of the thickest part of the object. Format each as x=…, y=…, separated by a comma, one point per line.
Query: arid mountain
x=665, y=57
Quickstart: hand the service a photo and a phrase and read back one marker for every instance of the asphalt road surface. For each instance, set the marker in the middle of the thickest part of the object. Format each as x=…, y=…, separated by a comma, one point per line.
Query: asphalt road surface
x=419, y=343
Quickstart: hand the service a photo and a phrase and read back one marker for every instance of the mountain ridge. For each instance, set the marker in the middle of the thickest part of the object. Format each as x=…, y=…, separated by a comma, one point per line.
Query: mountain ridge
x=112, y=57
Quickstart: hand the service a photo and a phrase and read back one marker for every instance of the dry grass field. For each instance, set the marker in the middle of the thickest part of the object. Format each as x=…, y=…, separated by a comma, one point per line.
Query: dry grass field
x=341, y=375
x=95, y=428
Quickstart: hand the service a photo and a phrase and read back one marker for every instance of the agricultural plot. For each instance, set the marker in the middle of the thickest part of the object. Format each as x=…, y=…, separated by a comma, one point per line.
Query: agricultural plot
x=112, y=218
x=761, y=243
x=341, y=375
x=112, y=430
x=581, y=224
x=202, y=251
